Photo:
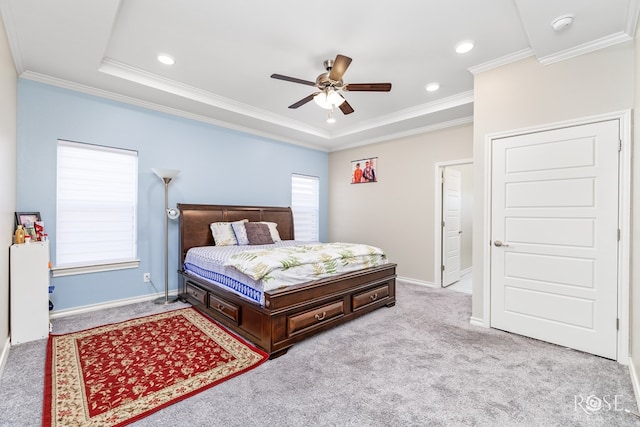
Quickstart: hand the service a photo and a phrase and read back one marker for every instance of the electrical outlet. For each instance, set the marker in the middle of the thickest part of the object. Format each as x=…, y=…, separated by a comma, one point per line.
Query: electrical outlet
x=146, y=277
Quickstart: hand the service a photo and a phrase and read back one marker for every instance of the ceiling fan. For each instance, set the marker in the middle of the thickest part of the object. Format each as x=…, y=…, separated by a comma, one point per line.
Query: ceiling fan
x=330, y=84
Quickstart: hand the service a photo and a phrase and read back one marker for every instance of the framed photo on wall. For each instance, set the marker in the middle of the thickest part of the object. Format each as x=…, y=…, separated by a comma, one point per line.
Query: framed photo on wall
x=364, y=170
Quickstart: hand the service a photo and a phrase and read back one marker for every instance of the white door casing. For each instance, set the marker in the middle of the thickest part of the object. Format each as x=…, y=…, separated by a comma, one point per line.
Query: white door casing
x=451, y=239
x=554, y=235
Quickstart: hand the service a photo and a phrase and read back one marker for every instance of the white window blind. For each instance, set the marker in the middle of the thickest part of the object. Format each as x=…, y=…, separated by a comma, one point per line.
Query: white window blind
x=96, y=204
x=305, y=204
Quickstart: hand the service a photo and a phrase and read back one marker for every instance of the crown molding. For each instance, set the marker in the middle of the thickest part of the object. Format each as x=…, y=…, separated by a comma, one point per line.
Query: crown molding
x=145, y=78
x=129, y=73
x=450, y=102
x=410, y=132
x=633, y=14
x=410, y=113
x=584, y=48
x=89, y=90
x=503, y=60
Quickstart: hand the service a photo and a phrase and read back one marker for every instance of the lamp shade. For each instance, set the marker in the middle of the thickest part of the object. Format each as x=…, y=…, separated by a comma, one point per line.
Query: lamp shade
x=165, y=173
x=328, y=99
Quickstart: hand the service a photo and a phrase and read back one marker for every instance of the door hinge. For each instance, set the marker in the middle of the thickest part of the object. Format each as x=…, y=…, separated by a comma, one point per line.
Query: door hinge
x=442, y=268
x=619, y=145
x=617, y=324
x=618, y=234
x=442, y=224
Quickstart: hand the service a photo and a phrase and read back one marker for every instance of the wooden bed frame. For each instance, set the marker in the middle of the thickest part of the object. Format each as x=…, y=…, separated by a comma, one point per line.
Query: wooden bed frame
x=289, y=315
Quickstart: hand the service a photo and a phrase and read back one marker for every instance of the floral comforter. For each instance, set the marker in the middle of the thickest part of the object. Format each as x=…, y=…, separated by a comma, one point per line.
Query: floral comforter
x=283, y=266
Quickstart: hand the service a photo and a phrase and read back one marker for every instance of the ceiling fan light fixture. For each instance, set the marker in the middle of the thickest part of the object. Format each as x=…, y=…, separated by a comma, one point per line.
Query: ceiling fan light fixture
x=328, y=99
x=330, y=119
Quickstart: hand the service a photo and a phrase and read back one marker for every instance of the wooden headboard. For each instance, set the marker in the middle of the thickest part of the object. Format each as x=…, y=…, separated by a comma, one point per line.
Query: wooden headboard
x=195, y=220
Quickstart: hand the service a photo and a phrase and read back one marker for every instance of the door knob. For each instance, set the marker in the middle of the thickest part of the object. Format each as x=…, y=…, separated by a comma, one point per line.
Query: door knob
x=498, y=243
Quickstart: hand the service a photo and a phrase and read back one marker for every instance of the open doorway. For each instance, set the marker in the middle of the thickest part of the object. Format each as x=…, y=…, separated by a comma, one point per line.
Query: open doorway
x=453, y=225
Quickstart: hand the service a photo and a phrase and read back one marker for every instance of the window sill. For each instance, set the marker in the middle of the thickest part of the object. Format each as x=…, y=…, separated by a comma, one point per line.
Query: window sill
x=71, y=270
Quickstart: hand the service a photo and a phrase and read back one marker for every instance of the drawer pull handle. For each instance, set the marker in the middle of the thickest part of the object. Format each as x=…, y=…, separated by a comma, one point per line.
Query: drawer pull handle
x=321, y=317
x=220, y=307
x=374, y=297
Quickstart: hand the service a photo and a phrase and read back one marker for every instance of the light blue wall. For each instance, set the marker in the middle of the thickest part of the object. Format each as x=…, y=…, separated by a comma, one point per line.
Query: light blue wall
x=218, y=166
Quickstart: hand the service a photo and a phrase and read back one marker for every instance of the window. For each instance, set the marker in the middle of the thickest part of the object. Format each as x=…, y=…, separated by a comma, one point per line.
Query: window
x=305, y=204
x=96, y=208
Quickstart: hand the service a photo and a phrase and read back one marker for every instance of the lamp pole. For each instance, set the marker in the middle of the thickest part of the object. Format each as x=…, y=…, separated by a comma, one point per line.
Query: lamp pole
x=166, y=175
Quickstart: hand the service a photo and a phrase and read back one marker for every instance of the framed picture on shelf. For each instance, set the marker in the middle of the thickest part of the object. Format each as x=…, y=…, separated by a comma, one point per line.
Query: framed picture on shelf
x=27, y=219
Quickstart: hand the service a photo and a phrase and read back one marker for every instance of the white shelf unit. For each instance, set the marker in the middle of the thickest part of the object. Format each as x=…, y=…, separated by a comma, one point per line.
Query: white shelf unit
x=29, y=291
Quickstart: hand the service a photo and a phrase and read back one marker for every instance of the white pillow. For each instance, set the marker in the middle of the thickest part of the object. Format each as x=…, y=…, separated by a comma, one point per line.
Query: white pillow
x=240, y=232
x=275, y=236
x=223, y=234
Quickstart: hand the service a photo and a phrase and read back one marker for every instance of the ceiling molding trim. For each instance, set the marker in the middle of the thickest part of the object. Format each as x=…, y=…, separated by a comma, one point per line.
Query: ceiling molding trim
x=410, y=132
x=136, y=75
x=584, y=48
x=499, y=62
x=410, y=113
x=76, y=87
x=6, y=11
x=633, y=14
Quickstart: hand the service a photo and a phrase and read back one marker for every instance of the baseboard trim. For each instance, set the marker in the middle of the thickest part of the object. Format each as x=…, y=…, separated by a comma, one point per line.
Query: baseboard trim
x=417, y=282
x=56, y=314
x=635, y=381
x=476, y=321
x=466, y=271
x=5, y=354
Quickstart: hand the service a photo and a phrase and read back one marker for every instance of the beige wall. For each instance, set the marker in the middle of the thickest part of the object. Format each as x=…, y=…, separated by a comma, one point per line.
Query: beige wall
x=525, y=94
x=397, y=212
x=8, y=124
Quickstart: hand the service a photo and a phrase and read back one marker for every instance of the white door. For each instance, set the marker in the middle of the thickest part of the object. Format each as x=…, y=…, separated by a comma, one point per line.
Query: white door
x=555, y=236
x=451, y=229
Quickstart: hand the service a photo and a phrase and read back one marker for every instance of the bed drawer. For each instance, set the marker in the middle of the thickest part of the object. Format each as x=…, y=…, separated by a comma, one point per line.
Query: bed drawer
x=196, y=293
x=226, y=308
x=303, y=321
x=371, y=296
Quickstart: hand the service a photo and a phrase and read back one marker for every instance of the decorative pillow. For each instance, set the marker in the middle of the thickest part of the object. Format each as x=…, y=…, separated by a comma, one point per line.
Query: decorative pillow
x=223, y=234
x=240, y=232
x=258, y=233
x=275, y=235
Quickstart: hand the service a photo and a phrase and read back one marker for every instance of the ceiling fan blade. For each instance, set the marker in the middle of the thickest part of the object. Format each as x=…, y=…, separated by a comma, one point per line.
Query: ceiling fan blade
x=292, y=79
x=303, y=101
x=338, y=68
x=346, y=108
x=368, y=87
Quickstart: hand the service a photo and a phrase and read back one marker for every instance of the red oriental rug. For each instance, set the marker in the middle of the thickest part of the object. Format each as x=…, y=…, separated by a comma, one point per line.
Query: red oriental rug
x=116, y=374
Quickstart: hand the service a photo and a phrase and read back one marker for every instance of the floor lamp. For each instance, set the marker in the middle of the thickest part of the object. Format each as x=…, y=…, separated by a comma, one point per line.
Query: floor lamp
x=166, y=175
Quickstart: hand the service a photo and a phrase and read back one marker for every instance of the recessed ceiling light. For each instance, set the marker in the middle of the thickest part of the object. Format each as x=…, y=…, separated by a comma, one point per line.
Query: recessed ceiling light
x=464, y=46
x=166, y=59
x=432, y=87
